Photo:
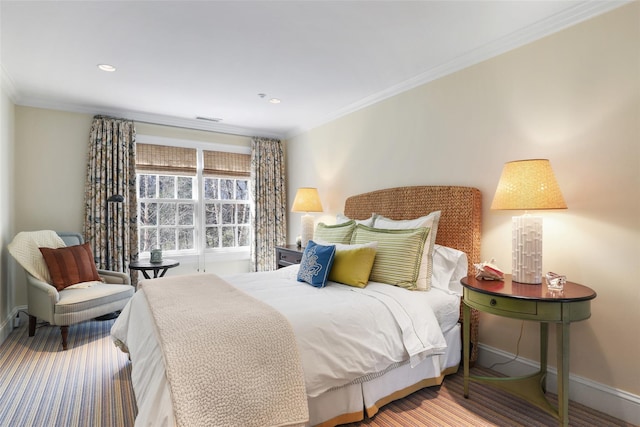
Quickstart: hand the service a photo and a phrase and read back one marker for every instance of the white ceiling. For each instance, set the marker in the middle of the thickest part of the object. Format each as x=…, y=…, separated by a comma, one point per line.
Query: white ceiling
x=177, y=60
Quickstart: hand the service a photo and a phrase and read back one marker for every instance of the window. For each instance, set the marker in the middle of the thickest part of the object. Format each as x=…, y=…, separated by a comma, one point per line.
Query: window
x=227, y=212
x=191, y=200
x=166, y=212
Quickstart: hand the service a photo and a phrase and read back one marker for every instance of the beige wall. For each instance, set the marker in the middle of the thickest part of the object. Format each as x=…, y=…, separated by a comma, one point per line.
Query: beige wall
x=50, y=158
x=7, y=290
x=573, y=97
x=191, y=135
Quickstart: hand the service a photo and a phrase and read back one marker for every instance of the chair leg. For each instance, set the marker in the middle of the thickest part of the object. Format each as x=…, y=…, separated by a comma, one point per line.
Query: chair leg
x=64, y=331
x=32, y=325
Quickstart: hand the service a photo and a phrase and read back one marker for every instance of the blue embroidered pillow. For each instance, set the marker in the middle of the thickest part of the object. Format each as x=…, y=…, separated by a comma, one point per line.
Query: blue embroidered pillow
x=316, y=264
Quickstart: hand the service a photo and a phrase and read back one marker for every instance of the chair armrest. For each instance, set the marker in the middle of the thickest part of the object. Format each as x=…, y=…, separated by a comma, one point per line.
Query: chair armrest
x=41, y=298
x=114, y=277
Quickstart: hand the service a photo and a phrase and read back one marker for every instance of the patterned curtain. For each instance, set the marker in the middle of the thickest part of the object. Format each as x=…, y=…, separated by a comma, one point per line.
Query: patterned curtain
x=269, y=216
x=110, y=222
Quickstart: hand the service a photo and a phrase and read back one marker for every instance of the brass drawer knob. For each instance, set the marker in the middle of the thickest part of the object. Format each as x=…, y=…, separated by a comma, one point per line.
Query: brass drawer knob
x=493, y=302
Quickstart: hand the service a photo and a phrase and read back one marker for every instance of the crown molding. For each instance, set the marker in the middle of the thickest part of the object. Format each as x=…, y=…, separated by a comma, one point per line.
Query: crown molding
x=7, y=84
x=567, y=18
x=157, y=119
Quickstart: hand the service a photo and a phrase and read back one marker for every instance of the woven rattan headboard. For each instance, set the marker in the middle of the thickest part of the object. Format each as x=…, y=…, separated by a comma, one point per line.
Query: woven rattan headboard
x=461, y=207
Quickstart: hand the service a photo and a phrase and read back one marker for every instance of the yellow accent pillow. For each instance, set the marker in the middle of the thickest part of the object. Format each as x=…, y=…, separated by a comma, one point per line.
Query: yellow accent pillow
x=352, y=264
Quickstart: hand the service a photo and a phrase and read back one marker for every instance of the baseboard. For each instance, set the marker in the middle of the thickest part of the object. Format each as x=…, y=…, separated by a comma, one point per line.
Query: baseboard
x=9, y=323
x=617, y=403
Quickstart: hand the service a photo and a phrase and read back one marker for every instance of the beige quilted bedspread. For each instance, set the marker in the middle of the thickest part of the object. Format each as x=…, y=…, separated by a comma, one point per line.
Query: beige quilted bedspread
x=230, y=359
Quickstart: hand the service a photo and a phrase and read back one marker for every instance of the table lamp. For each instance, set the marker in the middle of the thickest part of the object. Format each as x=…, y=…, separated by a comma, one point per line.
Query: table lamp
x=307, y=200
x=527, y=185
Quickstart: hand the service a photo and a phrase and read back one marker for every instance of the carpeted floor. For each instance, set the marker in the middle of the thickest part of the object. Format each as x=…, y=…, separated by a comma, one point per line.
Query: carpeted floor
x=89, y=385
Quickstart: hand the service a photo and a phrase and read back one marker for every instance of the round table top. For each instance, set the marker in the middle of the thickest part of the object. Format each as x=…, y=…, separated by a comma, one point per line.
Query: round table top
x=148, y=265
x=570, y=292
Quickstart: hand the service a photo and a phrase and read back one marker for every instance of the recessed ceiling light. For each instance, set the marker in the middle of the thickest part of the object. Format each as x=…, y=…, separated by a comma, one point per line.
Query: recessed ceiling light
x=274, y=101
x=107, y=67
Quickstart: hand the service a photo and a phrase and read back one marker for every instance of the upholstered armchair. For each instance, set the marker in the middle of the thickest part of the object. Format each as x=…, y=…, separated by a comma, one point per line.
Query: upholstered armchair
x=64, y=304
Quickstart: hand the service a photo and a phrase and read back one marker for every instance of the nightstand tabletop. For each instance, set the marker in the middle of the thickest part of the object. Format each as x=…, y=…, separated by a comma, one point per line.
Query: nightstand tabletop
x=508, y=288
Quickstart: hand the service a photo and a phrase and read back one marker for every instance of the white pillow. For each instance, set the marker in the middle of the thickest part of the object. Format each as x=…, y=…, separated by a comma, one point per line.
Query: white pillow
x=340, y=218
x=449, y=266
x=430, y=221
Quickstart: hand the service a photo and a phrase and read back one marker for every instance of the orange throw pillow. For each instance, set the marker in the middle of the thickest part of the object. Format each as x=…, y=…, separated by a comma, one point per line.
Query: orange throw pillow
x=70, y=265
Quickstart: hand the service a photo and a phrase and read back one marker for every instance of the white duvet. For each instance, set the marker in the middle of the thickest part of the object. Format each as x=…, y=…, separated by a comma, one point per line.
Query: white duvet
x=342, y=332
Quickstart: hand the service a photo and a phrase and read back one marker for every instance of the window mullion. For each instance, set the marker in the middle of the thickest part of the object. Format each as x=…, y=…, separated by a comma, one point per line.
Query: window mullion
x=200, y=213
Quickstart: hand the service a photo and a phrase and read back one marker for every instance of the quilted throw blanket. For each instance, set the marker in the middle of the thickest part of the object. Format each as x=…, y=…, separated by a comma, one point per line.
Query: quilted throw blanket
x=230, y=359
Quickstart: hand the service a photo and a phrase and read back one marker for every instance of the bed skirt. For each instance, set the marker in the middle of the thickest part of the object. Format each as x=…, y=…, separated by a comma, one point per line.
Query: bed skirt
x=345, y=404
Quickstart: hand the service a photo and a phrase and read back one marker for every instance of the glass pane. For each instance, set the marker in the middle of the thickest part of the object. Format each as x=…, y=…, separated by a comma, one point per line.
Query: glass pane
x=147, y=186
x=168, y=239
x=226, y=189
x=167, y=186
x=210, y=188
x=244, y=234
x=185, y=187
x=185, y=238
x=213, y=240
x=242, y=189
x=228, y=214
x=185, y=214
x=228, y=237
x=148, y=239
x=244, y=214
x=148, y=214
x=212, y=213
x=167, y=214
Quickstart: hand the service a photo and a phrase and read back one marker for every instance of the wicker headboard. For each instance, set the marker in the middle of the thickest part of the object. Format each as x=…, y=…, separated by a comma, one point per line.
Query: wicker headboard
x=461, y=207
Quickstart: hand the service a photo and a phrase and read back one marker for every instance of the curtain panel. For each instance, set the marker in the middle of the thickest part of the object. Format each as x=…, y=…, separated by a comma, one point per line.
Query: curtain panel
x=110, y=223
x=269, y=215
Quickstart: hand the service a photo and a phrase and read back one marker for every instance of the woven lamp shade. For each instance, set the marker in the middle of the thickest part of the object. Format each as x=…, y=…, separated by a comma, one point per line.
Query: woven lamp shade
x=307, y=200
x=528, y=185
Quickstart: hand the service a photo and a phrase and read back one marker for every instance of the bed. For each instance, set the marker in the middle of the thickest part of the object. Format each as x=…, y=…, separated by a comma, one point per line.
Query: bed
x=332, y=394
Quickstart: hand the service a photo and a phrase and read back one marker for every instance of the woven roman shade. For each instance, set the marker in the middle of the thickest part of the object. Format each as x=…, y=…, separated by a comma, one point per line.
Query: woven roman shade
x=165, y=159
x=183, y=161
x=220, y=163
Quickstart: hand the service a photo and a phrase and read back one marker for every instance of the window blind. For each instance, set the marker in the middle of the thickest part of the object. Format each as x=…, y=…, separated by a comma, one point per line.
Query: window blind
x=166, y=159
x=220, y=163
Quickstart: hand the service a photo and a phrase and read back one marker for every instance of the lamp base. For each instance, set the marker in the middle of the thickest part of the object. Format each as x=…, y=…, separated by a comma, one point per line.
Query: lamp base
x=307, y=230
x=527, y=249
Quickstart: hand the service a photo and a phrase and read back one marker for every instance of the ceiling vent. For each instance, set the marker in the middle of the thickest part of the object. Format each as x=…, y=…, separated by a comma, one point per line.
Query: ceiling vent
x=209, y=119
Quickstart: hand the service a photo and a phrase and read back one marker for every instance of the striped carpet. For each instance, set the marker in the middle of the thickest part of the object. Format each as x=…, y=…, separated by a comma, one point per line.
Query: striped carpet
x=89, y=385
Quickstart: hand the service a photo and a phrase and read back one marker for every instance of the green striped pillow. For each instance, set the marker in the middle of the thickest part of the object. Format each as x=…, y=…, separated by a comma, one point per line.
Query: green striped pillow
x=339, y=233
x=399, y=253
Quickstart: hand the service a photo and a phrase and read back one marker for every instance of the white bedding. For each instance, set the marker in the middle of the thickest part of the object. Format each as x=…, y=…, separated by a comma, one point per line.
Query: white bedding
x=343, y=333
